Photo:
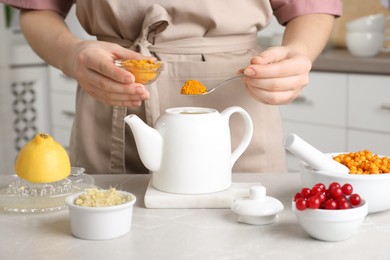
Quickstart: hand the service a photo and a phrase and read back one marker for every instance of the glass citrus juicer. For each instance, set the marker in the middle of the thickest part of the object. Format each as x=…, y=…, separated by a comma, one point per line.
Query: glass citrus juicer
x=21, y=196
x=144, y=71
x=44, y=177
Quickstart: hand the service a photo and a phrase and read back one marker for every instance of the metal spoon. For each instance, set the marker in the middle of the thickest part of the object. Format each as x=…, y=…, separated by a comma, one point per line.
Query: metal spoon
x=217, y=86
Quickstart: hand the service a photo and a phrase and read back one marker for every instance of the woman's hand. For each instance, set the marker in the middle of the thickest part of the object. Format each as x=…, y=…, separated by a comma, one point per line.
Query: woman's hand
x=91, y=63
x=277, y=75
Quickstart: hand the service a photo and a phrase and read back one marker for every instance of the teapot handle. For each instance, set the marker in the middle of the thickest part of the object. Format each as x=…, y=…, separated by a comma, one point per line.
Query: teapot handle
x=248, y=131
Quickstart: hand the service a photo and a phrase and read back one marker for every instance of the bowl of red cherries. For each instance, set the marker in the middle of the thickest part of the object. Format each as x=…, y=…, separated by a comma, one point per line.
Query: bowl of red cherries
x=329, y=213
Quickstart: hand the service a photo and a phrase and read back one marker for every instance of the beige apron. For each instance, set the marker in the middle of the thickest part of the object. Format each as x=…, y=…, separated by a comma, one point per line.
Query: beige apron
x=103, y=144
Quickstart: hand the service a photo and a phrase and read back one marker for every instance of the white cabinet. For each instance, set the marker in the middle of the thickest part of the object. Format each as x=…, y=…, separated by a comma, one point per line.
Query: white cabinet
x=5, y=128
x=322, y=102
x=340, y=112
x=26, y=99
x=369, y=106
x=373, y=141
x=63, y=91
x=369, y=113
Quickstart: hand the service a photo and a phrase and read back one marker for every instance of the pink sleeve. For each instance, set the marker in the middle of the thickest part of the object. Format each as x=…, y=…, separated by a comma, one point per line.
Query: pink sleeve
x=285, y=10
x=60, y=6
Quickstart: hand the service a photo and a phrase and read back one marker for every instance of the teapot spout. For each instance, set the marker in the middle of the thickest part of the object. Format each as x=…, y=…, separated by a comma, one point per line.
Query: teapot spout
x=148, y=140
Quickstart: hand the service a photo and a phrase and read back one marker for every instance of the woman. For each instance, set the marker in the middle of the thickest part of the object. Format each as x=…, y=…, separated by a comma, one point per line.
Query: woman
x=204, y=40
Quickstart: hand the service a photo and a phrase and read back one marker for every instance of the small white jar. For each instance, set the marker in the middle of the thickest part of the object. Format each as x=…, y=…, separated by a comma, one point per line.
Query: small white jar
x=100, y=223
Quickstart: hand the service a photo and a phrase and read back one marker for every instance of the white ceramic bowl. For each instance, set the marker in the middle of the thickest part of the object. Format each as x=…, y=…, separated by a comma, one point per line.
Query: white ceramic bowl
x=331, y=225
x=365, y=44
x=100, y=223
x=370, y=23
x=375, y=188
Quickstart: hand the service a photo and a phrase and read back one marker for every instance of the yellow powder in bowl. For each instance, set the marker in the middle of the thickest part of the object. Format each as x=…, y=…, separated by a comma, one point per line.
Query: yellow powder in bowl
x=101, y=198
x=144, y=71
x=141, y=64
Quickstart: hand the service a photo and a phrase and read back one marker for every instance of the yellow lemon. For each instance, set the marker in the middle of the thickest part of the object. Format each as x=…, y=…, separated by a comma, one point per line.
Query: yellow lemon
x=42, y=160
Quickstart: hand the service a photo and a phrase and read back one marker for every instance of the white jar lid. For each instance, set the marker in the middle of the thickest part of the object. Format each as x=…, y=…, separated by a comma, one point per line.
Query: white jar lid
x=258, y=209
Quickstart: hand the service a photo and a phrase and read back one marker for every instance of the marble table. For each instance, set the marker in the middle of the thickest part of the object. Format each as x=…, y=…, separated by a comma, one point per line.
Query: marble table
x=190, y=233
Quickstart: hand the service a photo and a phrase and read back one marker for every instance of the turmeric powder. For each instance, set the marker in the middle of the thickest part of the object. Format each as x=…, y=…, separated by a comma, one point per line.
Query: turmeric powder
x=144, y=71
x=193, y=87
x=141, y=64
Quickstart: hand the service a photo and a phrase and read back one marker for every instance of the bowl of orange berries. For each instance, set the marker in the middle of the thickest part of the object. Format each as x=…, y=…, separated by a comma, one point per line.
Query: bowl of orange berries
x=369, y=175
x=331, y=212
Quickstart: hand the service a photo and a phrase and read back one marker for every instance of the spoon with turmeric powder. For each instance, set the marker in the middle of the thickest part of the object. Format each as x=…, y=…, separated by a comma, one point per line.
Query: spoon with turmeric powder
x=194, y=87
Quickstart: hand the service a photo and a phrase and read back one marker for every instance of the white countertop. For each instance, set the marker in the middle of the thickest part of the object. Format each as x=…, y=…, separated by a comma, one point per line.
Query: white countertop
x=190, y=233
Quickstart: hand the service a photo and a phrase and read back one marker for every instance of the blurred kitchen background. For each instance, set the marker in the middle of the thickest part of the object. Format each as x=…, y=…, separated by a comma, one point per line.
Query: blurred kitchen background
x=346, y=106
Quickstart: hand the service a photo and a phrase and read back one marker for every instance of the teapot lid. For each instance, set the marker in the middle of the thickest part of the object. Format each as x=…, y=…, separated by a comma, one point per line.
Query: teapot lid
x=257, y=209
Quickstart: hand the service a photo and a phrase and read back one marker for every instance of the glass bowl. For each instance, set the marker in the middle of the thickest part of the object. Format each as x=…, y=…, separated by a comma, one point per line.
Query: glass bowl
x=144, y=75
x=19, y=195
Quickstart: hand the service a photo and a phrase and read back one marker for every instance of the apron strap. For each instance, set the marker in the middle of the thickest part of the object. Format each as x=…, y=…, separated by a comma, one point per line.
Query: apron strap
x=117, y=149
x=155, y=22
x=198, y=45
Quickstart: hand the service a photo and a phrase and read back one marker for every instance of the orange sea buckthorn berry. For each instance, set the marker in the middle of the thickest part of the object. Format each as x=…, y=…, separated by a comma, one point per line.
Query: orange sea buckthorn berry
x=364, y=162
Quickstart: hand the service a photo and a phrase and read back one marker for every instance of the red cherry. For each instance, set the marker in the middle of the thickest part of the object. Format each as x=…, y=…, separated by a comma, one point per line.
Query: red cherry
x=321, y=197
x=330, y=204
x=347, y=189
x=306, y=192
x=313, y=202
x=334, y=185
x=355, y=199
x=297, y=196
x=344, y=204
x=315, y=190
x=336, y=192
x=327, y=194
x=341, y=198
x=321, y=186
x=300, y=204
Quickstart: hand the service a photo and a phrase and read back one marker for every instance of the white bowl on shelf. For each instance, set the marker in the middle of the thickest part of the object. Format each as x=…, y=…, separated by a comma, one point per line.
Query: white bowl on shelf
x=369, y=23
x=366, y=44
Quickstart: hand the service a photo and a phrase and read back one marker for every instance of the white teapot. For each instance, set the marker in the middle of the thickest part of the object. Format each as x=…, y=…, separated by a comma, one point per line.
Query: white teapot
x=189, y=148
